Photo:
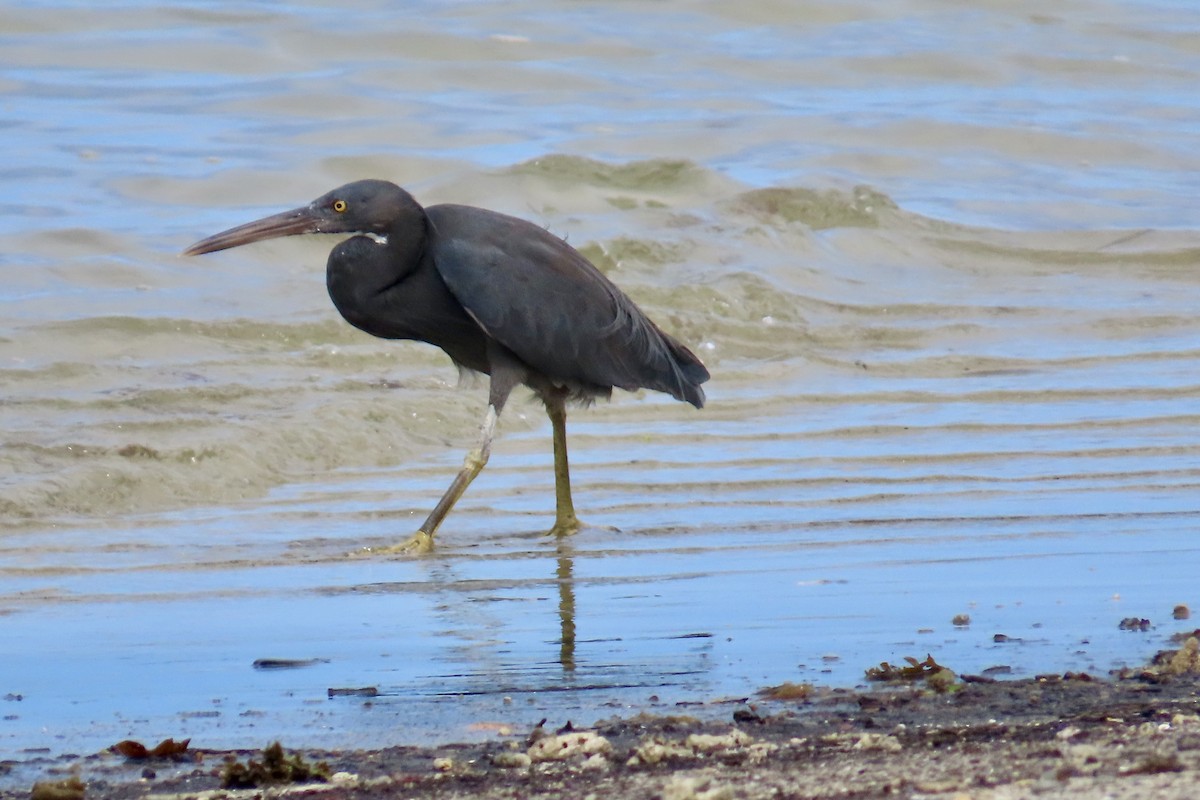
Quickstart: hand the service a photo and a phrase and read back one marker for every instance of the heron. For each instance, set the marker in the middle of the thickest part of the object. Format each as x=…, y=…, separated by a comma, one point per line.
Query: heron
x=500, y=296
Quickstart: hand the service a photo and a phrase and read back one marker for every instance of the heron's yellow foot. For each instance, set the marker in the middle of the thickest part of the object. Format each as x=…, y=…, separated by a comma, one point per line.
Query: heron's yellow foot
x=565, y=527
x=420, y=543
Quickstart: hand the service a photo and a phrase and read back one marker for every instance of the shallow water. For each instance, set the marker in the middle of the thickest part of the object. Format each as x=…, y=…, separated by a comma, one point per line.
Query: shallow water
x=940, y=259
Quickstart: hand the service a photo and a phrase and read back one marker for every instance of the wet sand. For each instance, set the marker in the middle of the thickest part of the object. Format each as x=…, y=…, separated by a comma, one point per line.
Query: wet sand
x=1060, y=736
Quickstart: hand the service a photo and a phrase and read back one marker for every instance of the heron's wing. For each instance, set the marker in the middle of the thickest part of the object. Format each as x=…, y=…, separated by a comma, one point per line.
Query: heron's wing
x=541, y=299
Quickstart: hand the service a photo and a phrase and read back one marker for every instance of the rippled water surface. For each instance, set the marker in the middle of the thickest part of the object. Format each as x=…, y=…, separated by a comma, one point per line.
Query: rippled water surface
x=941, y=259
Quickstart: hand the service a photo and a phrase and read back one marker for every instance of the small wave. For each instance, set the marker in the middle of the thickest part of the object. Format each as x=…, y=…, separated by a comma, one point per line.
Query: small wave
x=819, y=210
x=658, y=174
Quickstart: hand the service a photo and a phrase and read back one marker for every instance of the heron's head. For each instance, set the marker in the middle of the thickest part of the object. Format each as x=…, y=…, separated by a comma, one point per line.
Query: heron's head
x=367, y=206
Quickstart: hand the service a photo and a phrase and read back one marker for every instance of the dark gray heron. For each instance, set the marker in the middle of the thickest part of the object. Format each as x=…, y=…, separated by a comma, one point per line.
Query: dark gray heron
x=499, y=295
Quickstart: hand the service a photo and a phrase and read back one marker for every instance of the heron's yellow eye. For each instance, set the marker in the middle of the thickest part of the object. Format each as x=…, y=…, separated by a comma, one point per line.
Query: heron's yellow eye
x=339, y=206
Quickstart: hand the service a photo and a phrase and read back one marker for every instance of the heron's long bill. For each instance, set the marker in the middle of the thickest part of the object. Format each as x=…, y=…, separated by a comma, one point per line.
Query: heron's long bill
x=288, y=223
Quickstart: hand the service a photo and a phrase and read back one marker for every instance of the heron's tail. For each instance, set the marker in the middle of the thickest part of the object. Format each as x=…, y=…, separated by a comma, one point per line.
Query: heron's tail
x=689, y=373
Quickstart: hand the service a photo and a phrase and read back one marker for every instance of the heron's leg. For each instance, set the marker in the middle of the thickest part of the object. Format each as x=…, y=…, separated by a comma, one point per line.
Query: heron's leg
x=504, y=377
x=565, y=521
x=473, y=464
x=422, y=540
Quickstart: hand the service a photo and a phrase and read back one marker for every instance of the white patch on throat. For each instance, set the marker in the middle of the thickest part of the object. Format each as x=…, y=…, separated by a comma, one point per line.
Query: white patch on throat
x=376, y=238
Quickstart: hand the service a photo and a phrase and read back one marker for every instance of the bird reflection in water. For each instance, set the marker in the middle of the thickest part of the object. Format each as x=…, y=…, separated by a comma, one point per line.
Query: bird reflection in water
x=566, y=604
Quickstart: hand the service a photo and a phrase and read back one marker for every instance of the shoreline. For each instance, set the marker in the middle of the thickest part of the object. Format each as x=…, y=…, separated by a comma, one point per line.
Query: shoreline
x=1132, y=736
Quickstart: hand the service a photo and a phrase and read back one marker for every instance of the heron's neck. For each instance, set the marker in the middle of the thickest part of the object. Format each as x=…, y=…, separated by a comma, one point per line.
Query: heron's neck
x=368, y=264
